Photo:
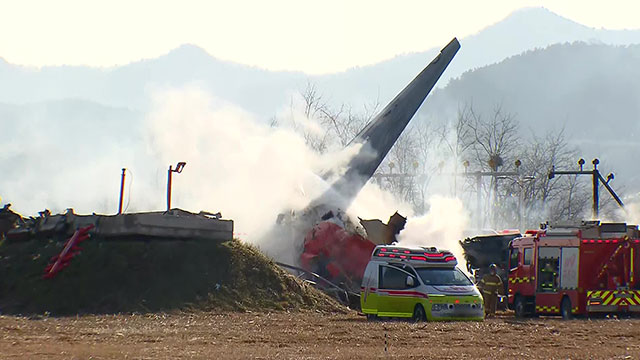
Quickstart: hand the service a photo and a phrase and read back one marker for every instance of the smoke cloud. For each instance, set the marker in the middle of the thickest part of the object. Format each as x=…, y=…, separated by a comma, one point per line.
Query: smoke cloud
x=236, y=164
x=442, y=226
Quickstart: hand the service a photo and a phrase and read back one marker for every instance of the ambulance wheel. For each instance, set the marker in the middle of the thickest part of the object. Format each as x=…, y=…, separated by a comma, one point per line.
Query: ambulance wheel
x=565, y=309
x=419, y=314
x=519, y=306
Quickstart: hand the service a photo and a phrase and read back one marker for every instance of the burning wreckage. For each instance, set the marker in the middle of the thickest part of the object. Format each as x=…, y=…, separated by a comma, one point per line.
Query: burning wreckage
x=335, y=251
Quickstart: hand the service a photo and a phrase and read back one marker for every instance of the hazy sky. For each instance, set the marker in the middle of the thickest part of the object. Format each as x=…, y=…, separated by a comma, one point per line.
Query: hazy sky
x=313, y=36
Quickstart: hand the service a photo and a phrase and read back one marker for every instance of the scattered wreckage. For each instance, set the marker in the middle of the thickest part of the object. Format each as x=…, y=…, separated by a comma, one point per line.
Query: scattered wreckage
x=157, y=225
x=481, y=251
x=175, y=224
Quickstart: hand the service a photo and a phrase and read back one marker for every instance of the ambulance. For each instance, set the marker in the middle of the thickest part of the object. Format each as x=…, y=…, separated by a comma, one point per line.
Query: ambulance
x=422, y=283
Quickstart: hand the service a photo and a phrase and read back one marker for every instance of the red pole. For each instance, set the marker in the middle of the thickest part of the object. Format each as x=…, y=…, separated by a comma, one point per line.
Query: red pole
x=169, y=188
x=121, y=191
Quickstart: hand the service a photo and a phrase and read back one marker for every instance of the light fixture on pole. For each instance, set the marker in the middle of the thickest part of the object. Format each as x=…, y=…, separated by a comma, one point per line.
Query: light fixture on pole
x=171, y=170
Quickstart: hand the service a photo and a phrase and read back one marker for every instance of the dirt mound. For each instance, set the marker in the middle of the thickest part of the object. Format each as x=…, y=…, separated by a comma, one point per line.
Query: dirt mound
x=136, y=276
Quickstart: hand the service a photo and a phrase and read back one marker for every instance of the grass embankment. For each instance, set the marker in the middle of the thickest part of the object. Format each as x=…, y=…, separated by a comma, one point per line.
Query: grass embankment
x=137, y=276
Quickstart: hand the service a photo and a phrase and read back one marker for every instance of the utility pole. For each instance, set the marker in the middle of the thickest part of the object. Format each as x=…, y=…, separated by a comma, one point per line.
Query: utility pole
x=596, y=179
x=493, y=174
x=520, y=181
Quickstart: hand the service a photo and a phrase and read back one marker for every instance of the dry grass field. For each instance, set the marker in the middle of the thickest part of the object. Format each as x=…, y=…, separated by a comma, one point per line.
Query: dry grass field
x=310, y=335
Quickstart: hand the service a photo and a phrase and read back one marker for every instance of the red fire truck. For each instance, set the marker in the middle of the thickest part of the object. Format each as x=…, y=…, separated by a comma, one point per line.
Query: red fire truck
x=581, y=269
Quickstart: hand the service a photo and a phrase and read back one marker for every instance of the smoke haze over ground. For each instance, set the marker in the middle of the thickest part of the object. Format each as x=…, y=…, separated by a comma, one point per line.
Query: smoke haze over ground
x=67, y=131
x=236, y=164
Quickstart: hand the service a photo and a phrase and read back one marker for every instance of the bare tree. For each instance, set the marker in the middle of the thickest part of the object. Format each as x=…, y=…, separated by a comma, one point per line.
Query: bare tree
x=493, y=144
x=494, y=138
x=490, y=141
x=339, y=125
x=313, y=100
x=563, y=198
x=456, y=140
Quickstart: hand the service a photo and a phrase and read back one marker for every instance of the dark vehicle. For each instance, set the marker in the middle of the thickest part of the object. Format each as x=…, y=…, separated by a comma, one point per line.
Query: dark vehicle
x=483, y=250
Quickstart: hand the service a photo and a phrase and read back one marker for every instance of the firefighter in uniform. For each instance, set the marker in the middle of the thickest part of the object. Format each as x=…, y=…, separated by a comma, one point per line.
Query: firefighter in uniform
x=491, y=285
x=548, y=277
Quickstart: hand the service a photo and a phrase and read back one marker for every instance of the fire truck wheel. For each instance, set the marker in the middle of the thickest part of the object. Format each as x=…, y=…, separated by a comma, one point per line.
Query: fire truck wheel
x=565, y=308
x=372, y=317
x=419, y=314
x=519, y=306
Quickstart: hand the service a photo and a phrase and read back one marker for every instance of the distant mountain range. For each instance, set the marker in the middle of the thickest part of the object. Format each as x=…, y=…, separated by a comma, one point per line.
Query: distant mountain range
x=264, y=92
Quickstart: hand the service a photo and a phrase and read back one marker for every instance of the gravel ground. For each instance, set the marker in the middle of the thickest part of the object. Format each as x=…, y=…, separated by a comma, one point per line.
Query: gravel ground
x=311, y=335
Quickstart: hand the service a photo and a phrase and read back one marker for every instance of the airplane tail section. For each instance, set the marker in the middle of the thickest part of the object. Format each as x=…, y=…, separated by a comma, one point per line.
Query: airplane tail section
x=379, y=135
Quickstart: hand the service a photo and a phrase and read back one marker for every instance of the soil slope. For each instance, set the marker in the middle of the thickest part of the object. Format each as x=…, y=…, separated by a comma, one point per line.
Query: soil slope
x=138, y=276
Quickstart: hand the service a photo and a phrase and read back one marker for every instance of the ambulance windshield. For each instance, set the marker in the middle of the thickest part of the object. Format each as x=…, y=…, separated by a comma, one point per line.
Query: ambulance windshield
x=443, y=276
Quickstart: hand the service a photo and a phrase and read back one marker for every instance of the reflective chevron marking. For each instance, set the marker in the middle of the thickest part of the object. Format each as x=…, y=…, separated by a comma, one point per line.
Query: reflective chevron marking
x=549, y=309
x=614, y=297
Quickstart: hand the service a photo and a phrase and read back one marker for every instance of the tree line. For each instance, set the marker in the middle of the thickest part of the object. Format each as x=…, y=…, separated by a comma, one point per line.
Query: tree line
x=512, y=162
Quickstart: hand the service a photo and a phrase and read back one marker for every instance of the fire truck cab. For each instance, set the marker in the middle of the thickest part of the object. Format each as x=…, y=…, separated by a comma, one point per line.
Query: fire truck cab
x=579, y=269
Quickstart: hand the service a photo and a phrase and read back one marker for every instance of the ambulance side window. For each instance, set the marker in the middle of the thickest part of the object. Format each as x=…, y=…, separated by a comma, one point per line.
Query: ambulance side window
x=391, y=278
x=528, y=256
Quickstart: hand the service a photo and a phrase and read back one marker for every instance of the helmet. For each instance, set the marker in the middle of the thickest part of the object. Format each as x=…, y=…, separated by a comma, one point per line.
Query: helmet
x=493, y=267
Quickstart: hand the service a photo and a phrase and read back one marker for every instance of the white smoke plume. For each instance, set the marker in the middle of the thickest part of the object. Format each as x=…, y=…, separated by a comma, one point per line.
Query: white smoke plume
x=236, y=164
x=442, y=226
x=631, y=212
x=252, y=173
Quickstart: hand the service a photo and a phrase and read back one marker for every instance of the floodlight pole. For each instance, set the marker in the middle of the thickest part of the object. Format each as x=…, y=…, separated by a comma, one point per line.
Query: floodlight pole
x=495, y=174
x=171, y=170
x=596, y=193
x=596, y=178
x=479, y=175
x=169, y=187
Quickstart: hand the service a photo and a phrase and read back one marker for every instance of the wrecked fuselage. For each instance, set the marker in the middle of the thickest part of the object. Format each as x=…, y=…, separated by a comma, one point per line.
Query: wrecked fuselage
x=341, y=255
x=330, y=247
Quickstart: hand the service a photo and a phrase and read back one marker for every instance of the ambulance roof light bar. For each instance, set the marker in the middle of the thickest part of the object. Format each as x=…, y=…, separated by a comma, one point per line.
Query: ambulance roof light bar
x=426, y=254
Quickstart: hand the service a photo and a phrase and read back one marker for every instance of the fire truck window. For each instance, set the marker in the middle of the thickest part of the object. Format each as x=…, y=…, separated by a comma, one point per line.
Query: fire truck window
x=514, y=258
x=548, y=274
x=528, y=256
x=548, y=268
x=391, y=278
